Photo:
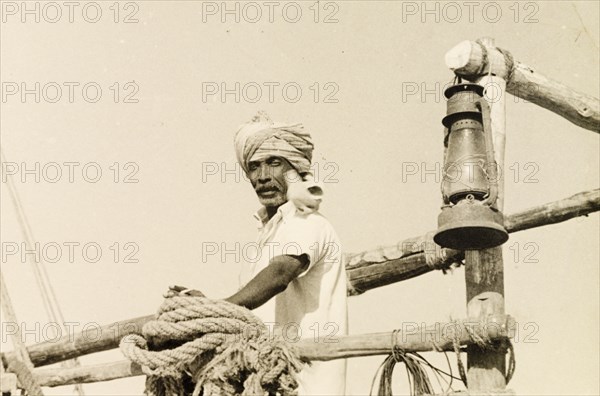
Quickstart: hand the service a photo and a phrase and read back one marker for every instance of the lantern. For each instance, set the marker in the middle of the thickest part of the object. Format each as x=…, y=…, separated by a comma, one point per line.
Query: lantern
x=470, y=219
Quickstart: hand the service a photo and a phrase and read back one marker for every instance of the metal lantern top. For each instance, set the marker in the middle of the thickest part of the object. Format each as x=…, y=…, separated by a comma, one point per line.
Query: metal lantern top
x=462, y=102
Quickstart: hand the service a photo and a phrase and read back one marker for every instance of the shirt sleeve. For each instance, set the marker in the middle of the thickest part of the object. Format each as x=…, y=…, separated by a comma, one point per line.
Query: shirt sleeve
x=310, y=237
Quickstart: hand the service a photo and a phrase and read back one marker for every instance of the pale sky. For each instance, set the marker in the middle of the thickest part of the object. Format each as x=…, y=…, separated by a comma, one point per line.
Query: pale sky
x=354, y=74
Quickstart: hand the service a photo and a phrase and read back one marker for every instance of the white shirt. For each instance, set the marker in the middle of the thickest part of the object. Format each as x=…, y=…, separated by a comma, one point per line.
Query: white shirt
x=314, y=304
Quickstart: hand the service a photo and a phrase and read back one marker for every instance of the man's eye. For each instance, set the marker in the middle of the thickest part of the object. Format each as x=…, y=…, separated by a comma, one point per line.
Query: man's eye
x=275, y=163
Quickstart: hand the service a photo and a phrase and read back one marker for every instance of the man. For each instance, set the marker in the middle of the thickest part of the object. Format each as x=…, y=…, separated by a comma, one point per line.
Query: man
x=297, y=281
x=299, y=261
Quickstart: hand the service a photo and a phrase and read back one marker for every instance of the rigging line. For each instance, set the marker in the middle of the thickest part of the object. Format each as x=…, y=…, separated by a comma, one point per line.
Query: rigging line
x=17, y=336
x=21, y=366
x=38, y=280
x=28, y=238
x=51, y=305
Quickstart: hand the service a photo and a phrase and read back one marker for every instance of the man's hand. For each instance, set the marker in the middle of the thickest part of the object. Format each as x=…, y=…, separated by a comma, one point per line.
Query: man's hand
x=182, y=291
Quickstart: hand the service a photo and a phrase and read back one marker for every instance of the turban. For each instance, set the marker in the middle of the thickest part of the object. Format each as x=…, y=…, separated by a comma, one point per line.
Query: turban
x=262, y=138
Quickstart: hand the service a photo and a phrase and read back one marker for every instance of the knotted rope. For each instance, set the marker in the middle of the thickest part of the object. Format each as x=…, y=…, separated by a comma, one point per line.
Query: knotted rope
x=483, y=341
x=222, y=347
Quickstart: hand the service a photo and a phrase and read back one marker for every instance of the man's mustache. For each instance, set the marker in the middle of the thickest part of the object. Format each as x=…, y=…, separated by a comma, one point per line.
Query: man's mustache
x=267, y=188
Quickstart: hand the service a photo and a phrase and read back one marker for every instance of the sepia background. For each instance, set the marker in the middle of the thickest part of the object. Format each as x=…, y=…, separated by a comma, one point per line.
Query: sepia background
x=371, y=77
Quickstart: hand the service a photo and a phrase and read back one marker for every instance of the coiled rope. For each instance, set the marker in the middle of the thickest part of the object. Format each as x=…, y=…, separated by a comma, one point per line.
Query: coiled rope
x=221, y=347
x=418, y=378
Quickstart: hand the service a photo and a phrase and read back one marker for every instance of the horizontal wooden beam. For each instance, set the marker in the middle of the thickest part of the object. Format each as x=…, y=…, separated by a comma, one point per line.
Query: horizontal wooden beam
x=87, y=374
x=470, y=60
x=410, y=337
x=71, y=346
x=404, y=260
x=366, y=270
x=581, y=204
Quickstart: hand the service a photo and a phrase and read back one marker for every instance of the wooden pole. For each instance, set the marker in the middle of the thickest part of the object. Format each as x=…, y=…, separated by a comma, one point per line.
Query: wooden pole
x=70, y=346
x=484, y=269
x=410, y=337
x=87, y=374
x=580, y=204
x=470, y=60
x=366, y=270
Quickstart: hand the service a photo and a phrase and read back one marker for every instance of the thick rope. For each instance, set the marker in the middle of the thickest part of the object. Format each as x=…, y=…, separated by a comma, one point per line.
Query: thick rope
x=484, y=57
x=222, y=347
x=510, y=63
x=436, y=256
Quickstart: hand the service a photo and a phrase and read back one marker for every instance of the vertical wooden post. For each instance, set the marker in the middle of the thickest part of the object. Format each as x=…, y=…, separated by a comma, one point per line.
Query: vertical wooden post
x=484, y=270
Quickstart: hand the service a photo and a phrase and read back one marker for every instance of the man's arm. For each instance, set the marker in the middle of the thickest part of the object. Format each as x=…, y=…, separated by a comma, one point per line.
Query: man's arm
x=270, y=281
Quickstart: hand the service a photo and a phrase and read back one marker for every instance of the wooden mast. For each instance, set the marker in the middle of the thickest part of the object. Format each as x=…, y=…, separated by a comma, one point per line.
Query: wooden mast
x=484, y=269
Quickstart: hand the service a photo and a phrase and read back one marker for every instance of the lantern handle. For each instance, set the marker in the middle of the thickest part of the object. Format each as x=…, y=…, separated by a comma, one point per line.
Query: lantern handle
x=491, y=173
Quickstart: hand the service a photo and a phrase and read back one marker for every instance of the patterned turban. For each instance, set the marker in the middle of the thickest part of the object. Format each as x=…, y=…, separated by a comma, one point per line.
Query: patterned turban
x=262, y=138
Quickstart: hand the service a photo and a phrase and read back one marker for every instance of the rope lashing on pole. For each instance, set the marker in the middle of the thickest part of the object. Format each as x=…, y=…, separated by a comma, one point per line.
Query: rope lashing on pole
x=484, y=56
x=436, y=256
x=221, y=347
x=509, y=61
x=483, y=341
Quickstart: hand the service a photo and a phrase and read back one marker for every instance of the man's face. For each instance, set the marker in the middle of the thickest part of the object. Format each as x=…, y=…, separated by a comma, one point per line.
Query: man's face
x=268, y=179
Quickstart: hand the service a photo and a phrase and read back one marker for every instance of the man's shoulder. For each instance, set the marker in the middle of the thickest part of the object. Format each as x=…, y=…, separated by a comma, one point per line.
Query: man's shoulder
x=312, y=219
x=314, y=224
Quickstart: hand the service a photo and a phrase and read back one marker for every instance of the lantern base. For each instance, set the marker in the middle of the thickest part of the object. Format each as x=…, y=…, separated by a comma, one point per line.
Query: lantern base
x=469, y=225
